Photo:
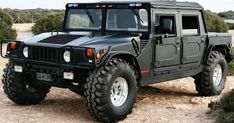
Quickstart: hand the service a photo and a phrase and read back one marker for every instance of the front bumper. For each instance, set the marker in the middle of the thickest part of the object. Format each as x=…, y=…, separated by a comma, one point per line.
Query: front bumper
x=55, y=70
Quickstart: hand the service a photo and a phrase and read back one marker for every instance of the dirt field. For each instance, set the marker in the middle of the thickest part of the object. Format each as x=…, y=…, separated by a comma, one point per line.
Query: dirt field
x=23, y=30
x=169, y=102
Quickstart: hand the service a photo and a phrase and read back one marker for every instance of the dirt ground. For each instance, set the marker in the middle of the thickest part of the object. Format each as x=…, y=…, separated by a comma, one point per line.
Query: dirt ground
x=170, y=102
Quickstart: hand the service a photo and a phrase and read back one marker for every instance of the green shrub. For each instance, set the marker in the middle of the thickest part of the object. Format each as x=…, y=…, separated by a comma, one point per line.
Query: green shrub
x=48, y=24
x=226, y=117
x=231, y=66
x=230, y=26
x=6, y=31
x=215, y=23
x=225, y=108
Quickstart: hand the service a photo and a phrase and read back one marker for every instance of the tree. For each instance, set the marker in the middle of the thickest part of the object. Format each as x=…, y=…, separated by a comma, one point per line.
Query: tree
x=6, y=22
x=215, y=23
x=48, y=24
x=227, y=14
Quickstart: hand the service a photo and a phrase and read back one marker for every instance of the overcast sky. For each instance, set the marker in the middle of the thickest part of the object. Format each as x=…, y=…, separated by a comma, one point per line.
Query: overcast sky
x=214, y=5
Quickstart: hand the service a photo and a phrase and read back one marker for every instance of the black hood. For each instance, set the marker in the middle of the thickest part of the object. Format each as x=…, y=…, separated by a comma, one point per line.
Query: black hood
x=80, y=39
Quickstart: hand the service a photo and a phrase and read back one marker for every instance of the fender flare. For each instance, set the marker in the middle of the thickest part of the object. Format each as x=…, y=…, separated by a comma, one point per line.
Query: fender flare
x=227, y=52
x=111, y=55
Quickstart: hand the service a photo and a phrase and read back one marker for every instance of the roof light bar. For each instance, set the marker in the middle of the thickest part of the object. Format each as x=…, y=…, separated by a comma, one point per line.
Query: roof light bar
x=73, y=5
x=135, y=5
x=138, y=5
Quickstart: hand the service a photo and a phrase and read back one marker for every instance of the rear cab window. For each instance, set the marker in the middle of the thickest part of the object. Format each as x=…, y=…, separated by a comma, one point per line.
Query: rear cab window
x=190, y=25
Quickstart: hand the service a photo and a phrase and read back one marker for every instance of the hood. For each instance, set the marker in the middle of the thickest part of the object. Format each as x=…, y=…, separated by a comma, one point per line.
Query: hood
x=82, y=39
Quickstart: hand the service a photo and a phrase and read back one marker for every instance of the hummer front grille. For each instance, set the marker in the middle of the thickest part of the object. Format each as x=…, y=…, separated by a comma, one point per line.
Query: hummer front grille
x=47, y=54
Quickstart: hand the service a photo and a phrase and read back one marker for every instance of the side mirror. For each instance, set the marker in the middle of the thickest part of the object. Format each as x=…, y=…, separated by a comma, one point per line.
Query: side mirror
x=167, y=26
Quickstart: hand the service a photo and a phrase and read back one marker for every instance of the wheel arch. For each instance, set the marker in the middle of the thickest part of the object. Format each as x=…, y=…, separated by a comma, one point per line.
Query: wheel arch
x=131, y=59
x=219, y=48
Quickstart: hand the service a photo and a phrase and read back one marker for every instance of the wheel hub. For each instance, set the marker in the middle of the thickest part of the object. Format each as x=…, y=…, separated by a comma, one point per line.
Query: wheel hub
x=119, y=92
x=217, y=75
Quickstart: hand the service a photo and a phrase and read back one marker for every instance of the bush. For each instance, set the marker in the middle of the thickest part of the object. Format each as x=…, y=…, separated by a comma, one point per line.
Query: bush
x=224, y=108
x=230, y=26
x=215, y=23
x=48, y=24
x=6, y=31
x=231, y=66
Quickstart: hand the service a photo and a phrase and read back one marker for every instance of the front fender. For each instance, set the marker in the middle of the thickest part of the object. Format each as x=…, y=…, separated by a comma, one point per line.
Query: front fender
x=131, y=59
x=110, y=55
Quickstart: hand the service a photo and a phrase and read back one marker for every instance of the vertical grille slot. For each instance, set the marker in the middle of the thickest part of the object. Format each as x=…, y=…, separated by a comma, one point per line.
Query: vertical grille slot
x=144, y=43
x=47, y=54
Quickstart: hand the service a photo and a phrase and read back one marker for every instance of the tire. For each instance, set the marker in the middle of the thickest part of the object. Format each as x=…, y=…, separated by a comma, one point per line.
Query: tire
x=211, y=81
x=19, y=91
x=100, y=94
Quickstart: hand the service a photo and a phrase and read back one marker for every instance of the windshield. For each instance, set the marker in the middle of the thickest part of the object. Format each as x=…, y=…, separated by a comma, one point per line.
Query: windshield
x=116, y=20
x=127, y=20
x=84, y=19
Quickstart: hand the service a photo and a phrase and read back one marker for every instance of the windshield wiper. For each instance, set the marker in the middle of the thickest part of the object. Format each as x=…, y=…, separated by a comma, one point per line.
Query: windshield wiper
x=137, y=15
x=89, y=15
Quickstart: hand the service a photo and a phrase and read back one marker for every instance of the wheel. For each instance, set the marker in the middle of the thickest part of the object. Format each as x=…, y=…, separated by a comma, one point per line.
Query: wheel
x=111, y=91
x=212, y=80
x=19, y=90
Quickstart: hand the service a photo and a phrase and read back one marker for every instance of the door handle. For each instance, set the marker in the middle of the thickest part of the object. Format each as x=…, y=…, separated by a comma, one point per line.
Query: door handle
x=177, y=42
x=203, y=39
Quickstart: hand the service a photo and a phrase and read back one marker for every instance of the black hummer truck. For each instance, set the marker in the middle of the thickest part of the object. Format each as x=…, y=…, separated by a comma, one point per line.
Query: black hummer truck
x=107, y=50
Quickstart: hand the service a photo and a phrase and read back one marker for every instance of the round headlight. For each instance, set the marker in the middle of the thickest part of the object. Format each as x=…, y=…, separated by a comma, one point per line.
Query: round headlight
x=25, y=52
x=67, y=56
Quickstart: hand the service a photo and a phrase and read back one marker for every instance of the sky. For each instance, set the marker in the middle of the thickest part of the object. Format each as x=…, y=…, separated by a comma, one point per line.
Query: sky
x=213, y=5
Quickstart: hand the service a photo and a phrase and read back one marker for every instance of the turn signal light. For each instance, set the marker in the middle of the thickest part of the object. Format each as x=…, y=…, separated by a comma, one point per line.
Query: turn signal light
x=89, y=52
x=98, y=56
x=13, y=45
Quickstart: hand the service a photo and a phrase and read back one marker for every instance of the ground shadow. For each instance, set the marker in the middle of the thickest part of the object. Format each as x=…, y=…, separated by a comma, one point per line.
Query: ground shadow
x=150, y=90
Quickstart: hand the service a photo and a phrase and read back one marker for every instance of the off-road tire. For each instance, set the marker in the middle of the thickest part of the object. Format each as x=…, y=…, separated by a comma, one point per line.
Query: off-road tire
x=98, y=87
x=16, y=89
x=204, y=81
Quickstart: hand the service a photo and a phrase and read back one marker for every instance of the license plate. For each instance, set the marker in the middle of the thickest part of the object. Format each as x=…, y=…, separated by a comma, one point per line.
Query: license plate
x=43, y=77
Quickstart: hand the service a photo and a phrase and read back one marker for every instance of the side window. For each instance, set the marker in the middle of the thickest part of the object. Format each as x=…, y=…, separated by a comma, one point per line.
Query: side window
x=165, y=25
x=190, y=25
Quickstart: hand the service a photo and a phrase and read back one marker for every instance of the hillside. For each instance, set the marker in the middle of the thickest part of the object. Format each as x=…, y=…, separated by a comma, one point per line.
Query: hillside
x=30, y=15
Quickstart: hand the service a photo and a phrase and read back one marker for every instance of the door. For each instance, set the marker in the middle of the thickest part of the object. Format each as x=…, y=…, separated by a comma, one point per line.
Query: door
x=167, y=41
x=193, y=38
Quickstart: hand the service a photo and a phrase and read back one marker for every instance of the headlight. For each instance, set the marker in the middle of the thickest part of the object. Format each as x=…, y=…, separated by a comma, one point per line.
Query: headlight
x=25, y=52
x=67, y=56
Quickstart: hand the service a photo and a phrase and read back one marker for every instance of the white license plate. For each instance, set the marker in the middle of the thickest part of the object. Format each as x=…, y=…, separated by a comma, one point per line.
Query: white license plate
x=43, y=76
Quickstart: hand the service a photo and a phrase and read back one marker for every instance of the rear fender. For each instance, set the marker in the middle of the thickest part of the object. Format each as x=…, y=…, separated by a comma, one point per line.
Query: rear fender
x=224, y=49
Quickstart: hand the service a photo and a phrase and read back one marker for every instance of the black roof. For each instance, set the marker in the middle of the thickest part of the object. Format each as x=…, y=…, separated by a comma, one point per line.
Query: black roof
x=160, y=3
